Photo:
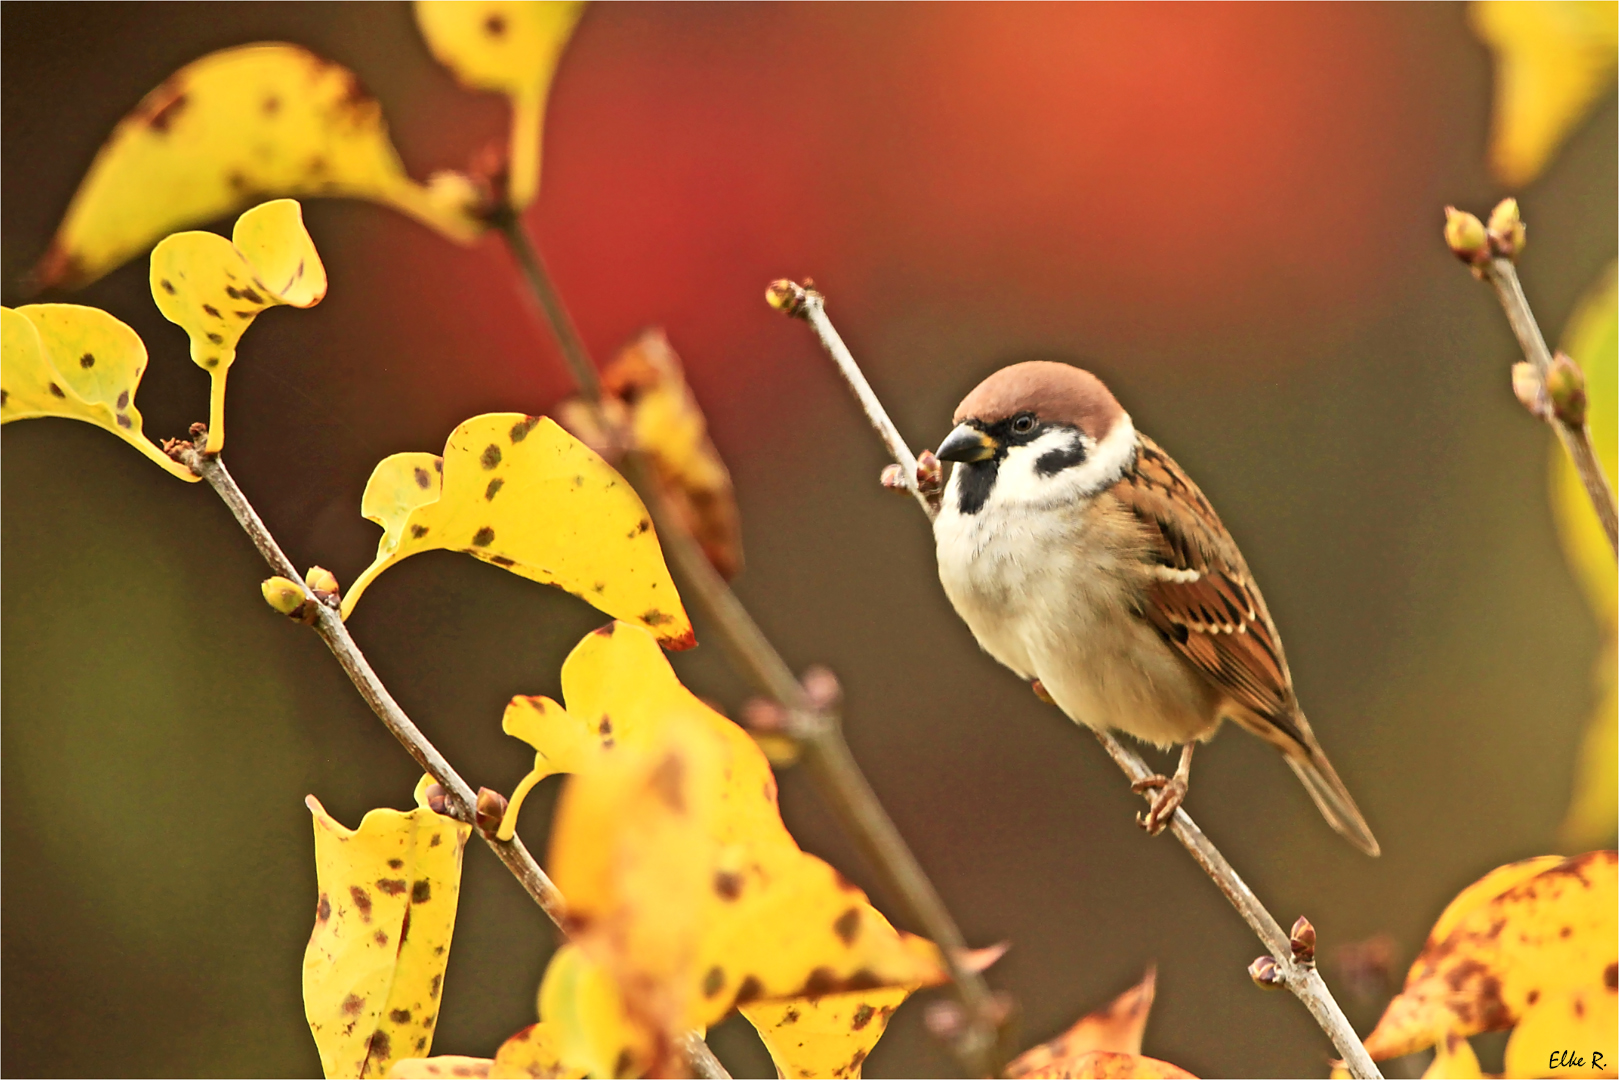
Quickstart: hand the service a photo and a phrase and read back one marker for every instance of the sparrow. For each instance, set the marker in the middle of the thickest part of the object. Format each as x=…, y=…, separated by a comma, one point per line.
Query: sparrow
x=1083, y=558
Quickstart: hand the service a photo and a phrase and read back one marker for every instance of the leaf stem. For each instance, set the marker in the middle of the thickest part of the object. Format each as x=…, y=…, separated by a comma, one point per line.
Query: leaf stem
x=459, y=799
x=1304, y=981
x=1502, y=276
x=984, y=1044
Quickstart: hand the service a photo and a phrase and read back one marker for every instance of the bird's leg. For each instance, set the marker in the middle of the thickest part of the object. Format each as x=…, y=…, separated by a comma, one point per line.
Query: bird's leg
x=1171, y=793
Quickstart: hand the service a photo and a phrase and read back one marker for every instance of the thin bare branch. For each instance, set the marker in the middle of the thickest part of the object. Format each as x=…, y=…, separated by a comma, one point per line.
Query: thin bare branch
x=1303, y=980
x=1502, y=276
x=460, y=802
x=984, y=1043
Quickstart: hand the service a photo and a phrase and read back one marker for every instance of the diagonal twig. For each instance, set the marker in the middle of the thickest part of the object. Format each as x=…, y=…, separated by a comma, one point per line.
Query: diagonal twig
x=1301, y=978
x=984, y=1042
x=459, y=800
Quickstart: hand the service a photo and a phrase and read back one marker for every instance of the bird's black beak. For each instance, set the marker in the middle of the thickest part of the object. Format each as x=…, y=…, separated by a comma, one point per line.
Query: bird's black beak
x=967, y=444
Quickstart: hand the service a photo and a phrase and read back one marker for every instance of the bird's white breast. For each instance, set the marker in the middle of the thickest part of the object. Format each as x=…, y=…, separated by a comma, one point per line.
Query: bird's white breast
x=1050, y=584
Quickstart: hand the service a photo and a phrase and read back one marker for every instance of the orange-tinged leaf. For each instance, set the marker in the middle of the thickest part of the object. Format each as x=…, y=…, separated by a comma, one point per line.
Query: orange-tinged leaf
x=375, y=964
x=831, y=1035
x=78, y=363
x=1487, y=888
x=647, y=395
x=228, y=130
x=511, y=46
x=1117, y=1027
x=1107, y=1065
x=1553, y=59
x=1547, y=942
x=532, y=1053
x=682, y=883
x=520, y=492
x=213, y=288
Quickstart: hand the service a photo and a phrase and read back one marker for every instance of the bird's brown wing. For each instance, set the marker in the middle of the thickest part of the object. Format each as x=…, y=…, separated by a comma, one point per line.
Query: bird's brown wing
x=1200, y=596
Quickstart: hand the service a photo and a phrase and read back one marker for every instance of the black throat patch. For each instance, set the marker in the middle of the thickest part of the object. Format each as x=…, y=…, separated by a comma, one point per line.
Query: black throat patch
x=977, y=480
x=978, y=477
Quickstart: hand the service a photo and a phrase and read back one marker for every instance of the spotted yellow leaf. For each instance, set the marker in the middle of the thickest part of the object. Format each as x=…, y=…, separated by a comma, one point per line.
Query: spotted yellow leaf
x=831, y=1035
x=510, y=46
x=531, y=1053
x=1540, y=956
x=1108, y=1065
x=214, y=288
x=682, y=883
x=226, y=131
x=79, y=363
x=592, y=1030
x=1453, y=1059
x=520, y=492
x=375, y=964
x=1117, y=1028
x=646, y=394
x=456, y=1066
x=1553, y=59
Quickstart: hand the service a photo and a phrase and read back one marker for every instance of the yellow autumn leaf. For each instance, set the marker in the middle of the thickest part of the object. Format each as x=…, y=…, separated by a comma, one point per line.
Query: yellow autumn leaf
x=213, y=288
x=1453, y=1059
x=593, y=1030
x=1117, y=1028
x=646, y=394
x=1541, y=955
x=510, y=46
x=375, y=963
x=1592, y=339
x=78, y=363
x=1109, y=1065
x=531, y=1053
x=520, y=492
x=683, y=885
x=1553, y=60
x=831, y=1035
x=228, y=130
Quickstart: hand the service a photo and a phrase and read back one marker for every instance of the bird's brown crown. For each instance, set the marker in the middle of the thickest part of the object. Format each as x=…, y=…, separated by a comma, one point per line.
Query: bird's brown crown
x=1053, y=392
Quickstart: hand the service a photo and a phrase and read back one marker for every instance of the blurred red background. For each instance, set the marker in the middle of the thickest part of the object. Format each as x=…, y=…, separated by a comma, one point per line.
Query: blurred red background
x=1230, y=212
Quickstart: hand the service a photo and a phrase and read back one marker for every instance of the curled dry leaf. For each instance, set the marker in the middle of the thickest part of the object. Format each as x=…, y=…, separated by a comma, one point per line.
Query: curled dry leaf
x=375, y=963
x=510, y=46
x=213, y=288
x=1533, y=946
x=647, y=395
x=519, y=492
x=78, y=363
x=686, y=894
x=230, y=129
x=1553, y=60
x=1117, y=1028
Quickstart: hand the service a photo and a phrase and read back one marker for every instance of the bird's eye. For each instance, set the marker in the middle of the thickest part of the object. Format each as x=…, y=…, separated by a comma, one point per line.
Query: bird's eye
x=1023, y=424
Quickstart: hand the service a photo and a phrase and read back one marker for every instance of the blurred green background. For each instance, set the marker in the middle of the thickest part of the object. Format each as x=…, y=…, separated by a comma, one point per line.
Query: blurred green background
x=1231, y=213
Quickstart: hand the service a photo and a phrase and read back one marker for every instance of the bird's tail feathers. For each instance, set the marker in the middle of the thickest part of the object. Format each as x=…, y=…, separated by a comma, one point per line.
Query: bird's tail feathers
x=1320, y=779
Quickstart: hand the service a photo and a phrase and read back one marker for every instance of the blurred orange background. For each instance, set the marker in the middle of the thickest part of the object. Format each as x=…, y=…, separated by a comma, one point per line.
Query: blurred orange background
x=1230, y=212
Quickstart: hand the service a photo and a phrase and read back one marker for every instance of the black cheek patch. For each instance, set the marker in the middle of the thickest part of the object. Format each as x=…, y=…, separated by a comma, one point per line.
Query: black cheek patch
x=977, y=479
x=1053, y=462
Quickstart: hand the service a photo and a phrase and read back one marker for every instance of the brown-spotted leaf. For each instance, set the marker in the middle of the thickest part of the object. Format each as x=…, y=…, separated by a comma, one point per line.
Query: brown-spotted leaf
x=831, y=1035
x=683, y=885
x=441, y=1066
x=510, y=46
x=1117, y=1027
x=78, y=363
x=530, y=1054
x=233, y=128
x=1540, y=955
x=520, y=492
x=647, y=395
x=374, y=968
x=214, y=288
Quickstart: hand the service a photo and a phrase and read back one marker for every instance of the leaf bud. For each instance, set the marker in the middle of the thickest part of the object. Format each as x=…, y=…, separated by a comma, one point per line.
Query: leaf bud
x=1565, y=386
x=929, y=474
x=490, y=811
x=1302, y=941
x=1266, y=973
x=1506, y=229
x=285, y=596
x=323, y=583
x=787, y=297
x=436, y=799
x=822, y=687
x=893, y=478
x=1526, y=387
x=1465, y=234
